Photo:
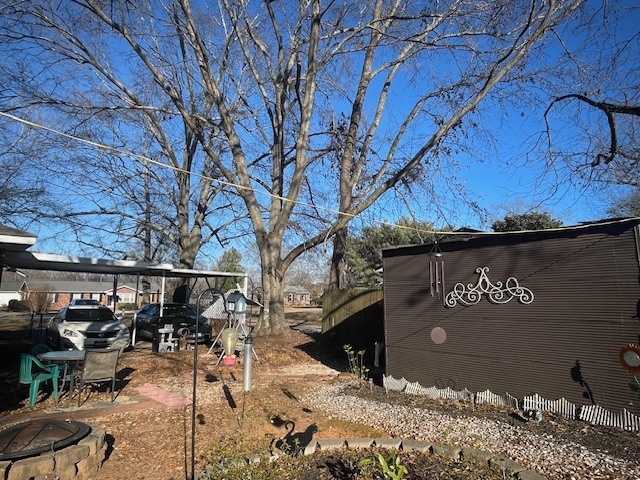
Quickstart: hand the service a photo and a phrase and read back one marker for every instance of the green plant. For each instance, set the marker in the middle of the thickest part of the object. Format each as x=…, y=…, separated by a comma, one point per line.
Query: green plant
x=391, y=466
x=356, y=363
x=19, y=305
x=229, y=458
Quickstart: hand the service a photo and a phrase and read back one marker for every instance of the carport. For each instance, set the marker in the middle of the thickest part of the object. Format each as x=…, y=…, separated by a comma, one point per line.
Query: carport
x=15, y=257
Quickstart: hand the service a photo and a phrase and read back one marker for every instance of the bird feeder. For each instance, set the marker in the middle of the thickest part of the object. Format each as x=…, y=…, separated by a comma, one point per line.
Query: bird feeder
x=229, y=339
x=236, y=303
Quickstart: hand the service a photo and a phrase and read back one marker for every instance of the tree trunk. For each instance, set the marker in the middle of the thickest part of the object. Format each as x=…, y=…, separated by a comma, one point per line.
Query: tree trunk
x=272, y=320
x=337, y=274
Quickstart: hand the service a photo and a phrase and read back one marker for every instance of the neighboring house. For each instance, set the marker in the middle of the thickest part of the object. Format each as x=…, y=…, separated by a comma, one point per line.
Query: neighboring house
x=296, y=296
x=11, y=291
x=522, y=313
x=61, y=292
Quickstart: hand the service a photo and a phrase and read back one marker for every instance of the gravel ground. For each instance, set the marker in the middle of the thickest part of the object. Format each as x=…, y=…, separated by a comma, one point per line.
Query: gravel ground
x=556, y=448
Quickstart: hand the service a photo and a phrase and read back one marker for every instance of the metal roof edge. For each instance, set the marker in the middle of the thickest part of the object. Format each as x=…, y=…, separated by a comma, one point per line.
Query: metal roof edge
x=449, y=238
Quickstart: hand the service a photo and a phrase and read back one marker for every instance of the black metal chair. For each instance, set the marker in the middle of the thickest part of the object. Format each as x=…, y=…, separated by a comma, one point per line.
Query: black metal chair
x=99, y=367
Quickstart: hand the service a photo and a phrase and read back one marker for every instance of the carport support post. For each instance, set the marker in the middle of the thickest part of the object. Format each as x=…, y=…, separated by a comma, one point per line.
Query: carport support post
x=156, y=340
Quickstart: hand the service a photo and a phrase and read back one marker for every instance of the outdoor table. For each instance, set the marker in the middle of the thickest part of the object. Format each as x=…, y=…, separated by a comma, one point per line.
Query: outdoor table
x=68, y=357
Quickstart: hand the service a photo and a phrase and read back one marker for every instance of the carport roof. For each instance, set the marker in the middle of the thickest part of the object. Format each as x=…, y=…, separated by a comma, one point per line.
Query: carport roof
x=47, y=261
x=13, y=255
x=14, y=240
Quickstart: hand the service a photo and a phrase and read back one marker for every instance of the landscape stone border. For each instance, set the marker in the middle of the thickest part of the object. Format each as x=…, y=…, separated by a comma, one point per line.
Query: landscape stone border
x=510, y=467
x=75, y=462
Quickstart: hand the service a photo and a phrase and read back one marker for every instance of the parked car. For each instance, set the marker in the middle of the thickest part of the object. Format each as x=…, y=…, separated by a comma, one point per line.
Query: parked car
x=86, y=326
x=84, y=301
x=180, y=315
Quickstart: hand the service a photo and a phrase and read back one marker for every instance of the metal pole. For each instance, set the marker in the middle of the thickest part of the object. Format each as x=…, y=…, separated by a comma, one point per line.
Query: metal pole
x=248, y=348
x=195, y=369
x=193, y=393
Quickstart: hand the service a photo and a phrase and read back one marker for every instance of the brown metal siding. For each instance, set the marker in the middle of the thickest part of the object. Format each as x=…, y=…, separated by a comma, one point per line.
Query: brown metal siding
x=564, y=344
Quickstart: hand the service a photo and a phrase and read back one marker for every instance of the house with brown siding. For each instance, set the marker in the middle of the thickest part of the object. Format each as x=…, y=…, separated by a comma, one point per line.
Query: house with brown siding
x=522, y=313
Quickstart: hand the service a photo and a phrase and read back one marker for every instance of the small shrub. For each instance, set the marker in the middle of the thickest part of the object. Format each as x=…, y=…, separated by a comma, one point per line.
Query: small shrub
x=356, y=363
x=19, y=305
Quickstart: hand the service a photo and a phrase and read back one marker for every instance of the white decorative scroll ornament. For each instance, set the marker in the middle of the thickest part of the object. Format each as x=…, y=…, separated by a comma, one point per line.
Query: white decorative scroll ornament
x=472, y=294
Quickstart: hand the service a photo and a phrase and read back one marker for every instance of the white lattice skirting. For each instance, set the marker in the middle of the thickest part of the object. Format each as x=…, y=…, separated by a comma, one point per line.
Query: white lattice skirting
x=593, y=414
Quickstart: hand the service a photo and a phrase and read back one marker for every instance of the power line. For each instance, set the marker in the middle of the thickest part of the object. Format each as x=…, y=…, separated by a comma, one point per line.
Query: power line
x=261, y=192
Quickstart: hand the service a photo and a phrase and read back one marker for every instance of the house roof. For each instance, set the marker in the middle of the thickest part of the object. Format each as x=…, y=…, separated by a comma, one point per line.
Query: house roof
x=70, y=286
x=12, y=286
x=482, y=239
x=295, y=289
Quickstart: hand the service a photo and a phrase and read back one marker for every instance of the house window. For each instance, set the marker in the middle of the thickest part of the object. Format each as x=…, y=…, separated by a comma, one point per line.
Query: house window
x=76, y=295
x=52, y=297
x=290, y=297
x=96, y=296
x=128, y=297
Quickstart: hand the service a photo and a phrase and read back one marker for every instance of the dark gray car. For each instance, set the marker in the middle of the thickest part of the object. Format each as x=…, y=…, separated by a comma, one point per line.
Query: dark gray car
x=181, y=316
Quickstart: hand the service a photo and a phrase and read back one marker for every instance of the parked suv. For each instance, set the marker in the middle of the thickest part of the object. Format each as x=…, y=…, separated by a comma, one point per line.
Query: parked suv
x=84, y=301
x=180, y=315
x=86, y=326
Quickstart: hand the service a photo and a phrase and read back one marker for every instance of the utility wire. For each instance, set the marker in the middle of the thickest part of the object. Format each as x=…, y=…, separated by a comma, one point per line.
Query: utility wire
x=263, y=192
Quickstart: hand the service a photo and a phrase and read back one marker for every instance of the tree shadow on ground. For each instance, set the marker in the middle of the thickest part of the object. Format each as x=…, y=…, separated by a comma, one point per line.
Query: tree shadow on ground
x=322, y=349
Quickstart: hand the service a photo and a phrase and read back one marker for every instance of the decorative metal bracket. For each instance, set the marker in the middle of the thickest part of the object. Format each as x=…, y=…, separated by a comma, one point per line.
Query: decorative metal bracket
x=472, y=294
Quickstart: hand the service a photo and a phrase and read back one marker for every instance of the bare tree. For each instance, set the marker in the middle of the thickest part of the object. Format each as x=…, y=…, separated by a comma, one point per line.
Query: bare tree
x=302, y=109
x=592, y=120
x=23, y=191
x=39, y=301
x=159, y=203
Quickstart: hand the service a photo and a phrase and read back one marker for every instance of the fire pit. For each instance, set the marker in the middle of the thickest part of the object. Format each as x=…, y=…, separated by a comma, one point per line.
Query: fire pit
x=45, y=446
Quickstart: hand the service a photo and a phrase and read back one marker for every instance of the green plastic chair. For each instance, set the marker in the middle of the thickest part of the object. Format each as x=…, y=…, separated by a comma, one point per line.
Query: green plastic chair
x=33, y=372
x=39, y=348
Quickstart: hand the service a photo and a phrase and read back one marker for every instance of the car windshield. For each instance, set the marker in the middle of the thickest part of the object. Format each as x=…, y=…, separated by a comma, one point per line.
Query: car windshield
x=177, y=311
x=89, y=315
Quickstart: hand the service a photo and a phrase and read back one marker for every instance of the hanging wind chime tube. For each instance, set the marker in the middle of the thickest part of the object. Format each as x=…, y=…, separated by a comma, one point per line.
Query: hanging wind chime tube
x=436, y=272
x=442, y=276
x=431, y=277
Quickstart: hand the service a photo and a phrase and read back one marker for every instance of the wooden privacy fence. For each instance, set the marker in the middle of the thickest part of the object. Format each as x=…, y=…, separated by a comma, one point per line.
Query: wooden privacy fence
x=354, y=316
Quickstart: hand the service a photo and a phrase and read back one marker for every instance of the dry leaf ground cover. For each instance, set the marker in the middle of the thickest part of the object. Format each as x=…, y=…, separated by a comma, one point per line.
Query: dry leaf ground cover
x=148, y=440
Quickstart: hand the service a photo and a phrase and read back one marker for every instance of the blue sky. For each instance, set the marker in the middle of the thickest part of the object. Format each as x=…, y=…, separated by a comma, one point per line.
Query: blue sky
x=509, y=179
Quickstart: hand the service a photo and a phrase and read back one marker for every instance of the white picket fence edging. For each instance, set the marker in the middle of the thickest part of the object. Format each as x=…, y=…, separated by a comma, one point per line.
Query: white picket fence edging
x=593, y=414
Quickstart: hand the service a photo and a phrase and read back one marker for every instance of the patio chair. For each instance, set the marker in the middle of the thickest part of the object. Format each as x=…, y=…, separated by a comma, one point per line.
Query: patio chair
x=33, y=372
x=39, y=348
x=99, y=367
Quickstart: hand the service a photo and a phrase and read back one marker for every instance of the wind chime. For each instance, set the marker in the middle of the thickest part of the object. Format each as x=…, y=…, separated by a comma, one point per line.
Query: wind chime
x=436, y=272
